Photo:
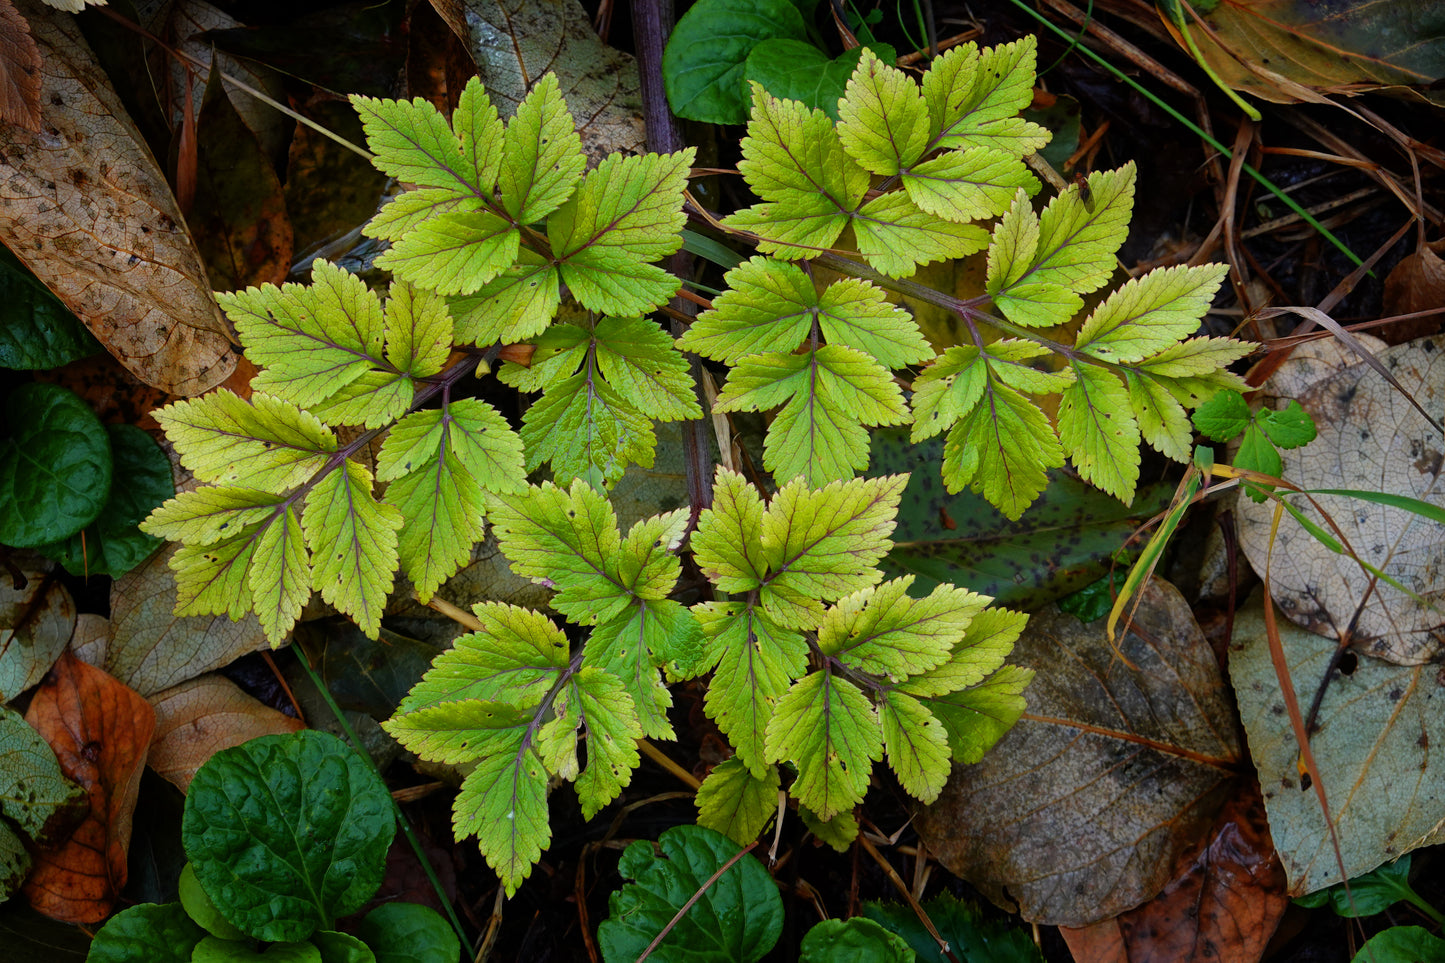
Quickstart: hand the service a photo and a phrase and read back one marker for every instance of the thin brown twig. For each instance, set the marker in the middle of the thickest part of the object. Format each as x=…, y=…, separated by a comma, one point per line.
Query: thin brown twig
x=907, y=894
x=695, y=897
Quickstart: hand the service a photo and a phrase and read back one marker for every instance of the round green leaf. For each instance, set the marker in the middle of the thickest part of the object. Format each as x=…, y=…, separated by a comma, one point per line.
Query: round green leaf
x=152, y=932
x=409, y=933
x=286, y=833
x=344, y=948
x=213, y=949
x=55, y=466
x=1401, y=944
x=37, y=331
x=199, y=907
x=857, y=940
x=737, y=919
x=702, y=67
x=114, y=544
x=793, y=70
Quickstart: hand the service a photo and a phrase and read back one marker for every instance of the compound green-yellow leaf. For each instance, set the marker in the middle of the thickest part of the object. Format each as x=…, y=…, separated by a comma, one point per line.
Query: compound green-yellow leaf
x=544, y=154
x=968, y=185
x=353, y=544
x=976, y=718
x=917, y=745
x=755, y=661
x=515, y=658
x=768, y=306
x=375, y=399
x=412, y=142
x=1150, y=313
x=794, y=155
x=1078, y=238
x=581, y=424
x=503, y=802
x=1009, y=361
x=895, y=235
x=211, y=579
x=485, y=444
x=1002, y=448
x=736, y=803
x=638, y=359
x=823, y=544
x=310, y=340
x=263, y=443
x=626, y=213
x=612, y=730
x=444, y=508
x=882, y=120
x=479, y=130
x=1162, y=421
x=826, y=727
x=404, y=212
x=1098, y=430
x=725, y=545
x=454, y=253
x=974, y=97
x=985, y=644
x=630, y=647
x=947, y=390
x=884, y=632
x=418, y=331
x=516, y=305
x=855, y=313
x=210, y=514
x=280, y=576
x=457, y=731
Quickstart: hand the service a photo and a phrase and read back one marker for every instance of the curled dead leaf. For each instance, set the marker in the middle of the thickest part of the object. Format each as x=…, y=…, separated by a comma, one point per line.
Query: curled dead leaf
x=197, y=719
x=85, y=206
x=100, y=731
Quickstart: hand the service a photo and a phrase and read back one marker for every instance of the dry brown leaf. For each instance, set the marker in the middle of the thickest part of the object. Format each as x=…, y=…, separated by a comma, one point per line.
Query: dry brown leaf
x=91, y=638
x=153, y=648
x=100, y=731
x=1082, y=809
x=84, y=205
x=1225, y=905
x=199, y=718
x=516, y=42
x=1417, y=283
x=1370, y=438
x=36, y=622
x=19, y=70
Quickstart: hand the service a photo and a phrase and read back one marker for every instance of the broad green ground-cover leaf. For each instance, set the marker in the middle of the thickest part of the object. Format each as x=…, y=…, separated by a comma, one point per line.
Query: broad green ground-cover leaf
x=287, y=833
x=55, y=466
x=159, y=933
x=739, y=917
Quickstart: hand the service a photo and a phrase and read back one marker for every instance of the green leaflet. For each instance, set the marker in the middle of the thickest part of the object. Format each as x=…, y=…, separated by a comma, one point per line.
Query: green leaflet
x=603, y=383
x=828, y=393
x=880, y=658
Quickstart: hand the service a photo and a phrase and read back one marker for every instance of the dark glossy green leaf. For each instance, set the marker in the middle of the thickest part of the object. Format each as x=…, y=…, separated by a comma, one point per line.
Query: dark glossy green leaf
x=857, y=940
x=1402, y=944
x=344, y=948
x=737, y=920
x=409, y=933
x=212, y=949
x=150, y=932
x=37, y=331
x=793, y=70
x=114, y=543
x=1065, y=541
x=1372, y=893
x=201, y=910
x=969, y=936
x=702, y=67
x=1093, y=601
x=286, y=833
x=55, y=466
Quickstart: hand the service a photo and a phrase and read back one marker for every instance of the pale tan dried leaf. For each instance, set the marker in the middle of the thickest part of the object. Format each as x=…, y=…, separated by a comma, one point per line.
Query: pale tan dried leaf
x=85, y=206
x=36, y=622
x=1370, y=438
x=153, y=648
x=516, y=42
x=19, y=70
x=91, y=639
x=1081, y=810
x=199, y=718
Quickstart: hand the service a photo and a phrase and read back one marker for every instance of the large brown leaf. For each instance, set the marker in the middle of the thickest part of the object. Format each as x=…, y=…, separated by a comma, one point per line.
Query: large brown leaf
x=100, y=731
x=85, y=206
x=36, y=621
x=1225, y=905
x=1344, y=46
x=516, y=42
x=19, y=70
x=199, y=718
x=152, y=648
x=1372, y=438
x=1081, y=811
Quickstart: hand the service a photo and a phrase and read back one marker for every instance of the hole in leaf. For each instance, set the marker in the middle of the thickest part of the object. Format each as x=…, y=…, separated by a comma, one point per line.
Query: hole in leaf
x=1349, y=662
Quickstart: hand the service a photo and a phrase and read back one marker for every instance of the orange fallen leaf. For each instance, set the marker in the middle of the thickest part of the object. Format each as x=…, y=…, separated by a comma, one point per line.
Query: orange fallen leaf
x=197, y=719
x=19, y=70
x=100, y=731
x=84, y=205
x=1225, y=905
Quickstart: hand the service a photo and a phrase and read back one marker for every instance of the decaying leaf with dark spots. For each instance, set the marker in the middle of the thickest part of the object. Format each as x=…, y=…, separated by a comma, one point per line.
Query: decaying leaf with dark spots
x=85, y=206
x=1115, y=770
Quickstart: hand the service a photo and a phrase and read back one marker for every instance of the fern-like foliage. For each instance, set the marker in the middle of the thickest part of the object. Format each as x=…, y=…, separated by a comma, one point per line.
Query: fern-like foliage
x=817, y=664
x=905, y=176
x=512, y=697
